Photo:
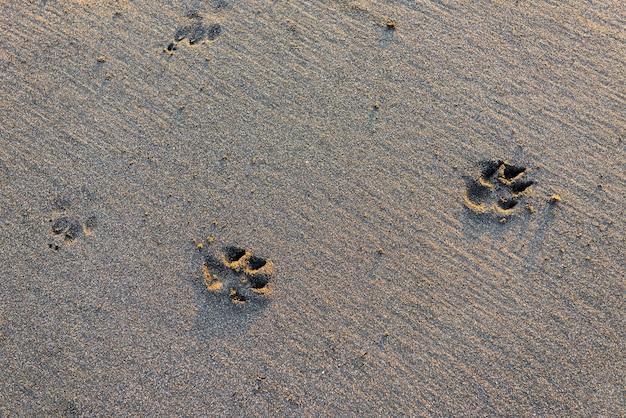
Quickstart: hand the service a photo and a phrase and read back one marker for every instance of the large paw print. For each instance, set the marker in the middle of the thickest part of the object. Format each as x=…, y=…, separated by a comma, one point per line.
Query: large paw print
x=237, y=274
x=498, y=189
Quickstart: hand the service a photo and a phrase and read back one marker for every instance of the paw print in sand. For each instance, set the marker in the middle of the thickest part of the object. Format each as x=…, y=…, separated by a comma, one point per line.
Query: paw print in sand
x=70, y=229
x=237, y=274
x=498, y=189
x=195, y=32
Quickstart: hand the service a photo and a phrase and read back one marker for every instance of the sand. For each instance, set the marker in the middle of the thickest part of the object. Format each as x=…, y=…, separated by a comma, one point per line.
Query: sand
x=439, y=187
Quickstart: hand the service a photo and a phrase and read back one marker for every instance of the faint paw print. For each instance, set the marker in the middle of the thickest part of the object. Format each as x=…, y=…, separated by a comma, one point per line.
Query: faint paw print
x=195, y=32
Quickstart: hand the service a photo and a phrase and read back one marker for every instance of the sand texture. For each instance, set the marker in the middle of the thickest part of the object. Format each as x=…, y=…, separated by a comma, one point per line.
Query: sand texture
x=312, y=208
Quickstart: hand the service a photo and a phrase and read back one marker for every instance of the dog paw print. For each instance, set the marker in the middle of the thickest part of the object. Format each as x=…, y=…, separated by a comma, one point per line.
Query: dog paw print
x=499, y=189
x=237, y=274
x=195, y=32
x=70, y=229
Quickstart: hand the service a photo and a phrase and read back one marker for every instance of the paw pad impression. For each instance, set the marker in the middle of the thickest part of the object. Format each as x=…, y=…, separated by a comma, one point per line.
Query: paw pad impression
x=498, y=189
x=195, y=32
x=70, y=229
x=237, y=274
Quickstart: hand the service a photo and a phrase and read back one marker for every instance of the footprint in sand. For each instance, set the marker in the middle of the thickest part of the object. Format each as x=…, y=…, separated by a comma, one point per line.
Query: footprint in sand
x=68, y=228
x=237, y=274
x=195, y=32
x=499, y=189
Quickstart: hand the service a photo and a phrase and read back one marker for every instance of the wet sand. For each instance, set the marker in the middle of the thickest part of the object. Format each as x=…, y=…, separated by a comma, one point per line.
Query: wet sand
x=438, y=187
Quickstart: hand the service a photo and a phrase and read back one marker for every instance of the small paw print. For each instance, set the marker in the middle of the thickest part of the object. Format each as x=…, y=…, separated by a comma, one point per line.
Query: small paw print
x=195, y=32
x=69, y=229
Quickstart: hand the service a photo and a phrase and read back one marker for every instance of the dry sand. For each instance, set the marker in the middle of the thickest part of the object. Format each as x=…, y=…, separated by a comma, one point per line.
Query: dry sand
x=343, y=141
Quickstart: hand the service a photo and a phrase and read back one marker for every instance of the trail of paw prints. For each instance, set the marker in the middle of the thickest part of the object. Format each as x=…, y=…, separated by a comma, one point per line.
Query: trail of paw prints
x=499, y=189
x=194, y=32
x=68, y=229
x=237, y=274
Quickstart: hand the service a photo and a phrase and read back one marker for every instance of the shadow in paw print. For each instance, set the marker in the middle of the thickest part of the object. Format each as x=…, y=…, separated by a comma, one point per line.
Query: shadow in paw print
x=498, y=190
x=195, y=32
x=235, y=288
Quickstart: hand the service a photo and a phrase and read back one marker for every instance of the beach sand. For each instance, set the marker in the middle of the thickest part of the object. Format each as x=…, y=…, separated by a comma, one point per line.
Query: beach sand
x=438, y=188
